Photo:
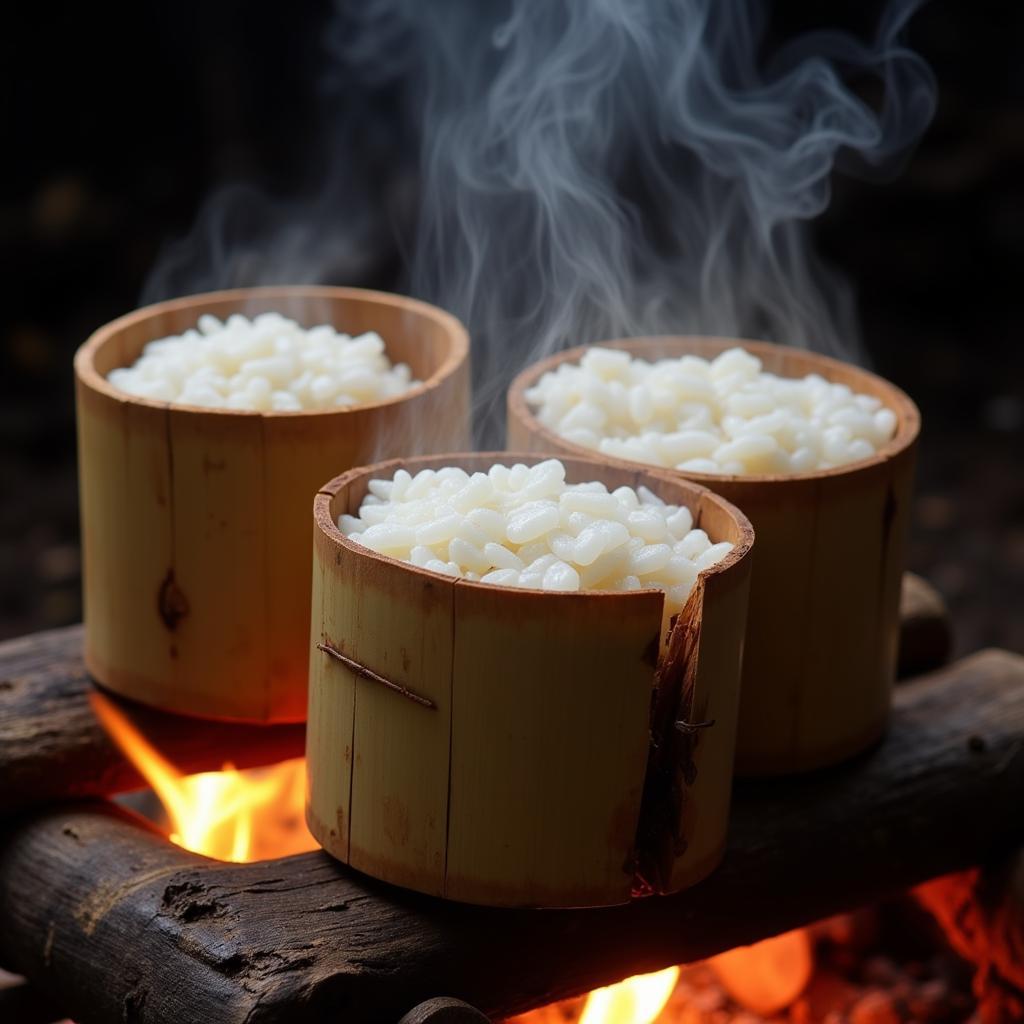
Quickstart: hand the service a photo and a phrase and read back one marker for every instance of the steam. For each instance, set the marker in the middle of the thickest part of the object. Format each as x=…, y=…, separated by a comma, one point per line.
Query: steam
x=244, y=238
x=592, y=169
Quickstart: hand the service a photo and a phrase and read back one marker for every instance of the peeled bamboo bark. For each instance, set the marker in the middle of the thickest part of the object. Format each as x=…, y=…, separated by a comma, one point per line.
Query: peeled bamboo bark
x=490, y=744
x=823, y=619
x=195, y=521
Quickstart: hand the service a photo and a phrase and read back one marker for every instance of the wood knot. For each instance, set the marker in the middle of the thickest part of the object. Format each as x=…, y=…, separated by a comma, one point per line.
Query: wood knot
x=171, y=602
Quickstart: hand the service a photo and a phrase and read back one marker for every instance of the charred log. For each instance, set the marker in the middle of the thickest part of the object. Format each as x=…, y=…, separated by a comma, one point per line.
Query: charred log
x=52, y=746
x=117, y=924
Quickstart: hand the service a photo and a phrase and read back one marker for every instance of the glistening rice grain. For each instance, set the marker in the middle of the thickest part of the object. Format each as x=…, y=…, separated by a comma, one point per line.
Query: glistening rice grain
x=266, y=364
x=526, y=527
x=724, y=416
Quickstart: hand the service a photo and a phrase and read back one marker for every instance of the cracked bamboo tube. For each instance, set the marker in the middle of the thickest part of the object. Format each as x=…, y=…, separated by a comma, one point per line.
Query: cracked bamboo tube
x=517, y=777
x=195, y=522
x=824, y=601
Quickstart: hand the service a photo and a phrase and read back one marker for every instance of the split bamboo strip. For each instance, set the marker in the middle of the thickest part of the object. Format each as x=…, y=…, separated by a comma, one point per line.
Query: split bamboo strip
x=824, y=602
x=517, y=775
x=195, y=521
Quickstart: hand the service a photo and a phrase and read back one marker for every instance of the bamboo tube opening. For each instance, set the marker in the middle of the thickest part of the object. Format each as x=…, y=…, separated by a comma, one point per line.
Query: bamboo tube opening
x=823, y=618
x=431, y=341
x=778, y=359
x=517, y=774
x=195, y=520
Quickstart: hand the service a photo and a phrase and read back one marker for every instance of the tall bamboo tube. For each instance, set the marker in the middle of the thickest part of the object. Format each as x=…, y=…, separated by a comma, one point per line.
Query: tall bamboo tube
x=491, y=744
x=195, y=522
x=824, y=601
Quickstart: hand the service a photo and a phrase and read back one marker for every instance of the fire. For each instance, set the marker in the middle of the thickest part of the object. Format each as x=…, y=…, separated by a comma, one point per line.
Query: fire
x=764, y=978
x=767, y=976
x=258, y=813
x=228, y=815
x=637, y=1000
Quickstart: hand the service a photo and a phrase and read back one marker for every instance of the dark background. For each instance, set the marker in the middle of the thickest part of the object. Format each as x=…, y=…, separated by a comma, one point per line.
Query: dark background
x=121, y=118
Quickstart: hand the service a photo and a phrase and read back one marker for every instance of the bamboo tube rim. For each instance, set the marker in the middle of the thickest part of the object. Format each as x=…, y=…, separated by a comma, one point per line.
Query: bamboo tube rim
x=908, y=416
x=326, y=521
x=85, y=367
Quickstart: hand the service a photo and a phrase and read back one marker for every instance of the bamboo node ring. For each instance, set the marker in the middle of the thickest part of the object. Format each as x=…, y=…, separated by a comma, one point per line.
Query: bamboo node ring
x=367, y=673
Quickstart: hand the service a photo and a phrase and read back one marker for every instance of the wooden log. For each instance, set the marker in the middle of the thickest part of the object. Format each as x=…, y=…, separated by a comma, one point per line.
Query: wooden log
x=926, y=636
x=119, y=925
x=517, y=777
x=823, y=618
x=443, y=1010
x=195, y=522
x=51, y=745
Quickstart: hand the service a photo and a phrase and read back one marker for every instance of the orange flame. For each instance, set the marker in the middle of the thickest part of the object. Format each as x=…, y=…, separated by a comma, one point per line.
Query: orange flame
x=769, y=975
x=764, y=978
x=637, y=1000
x=228, y=815
x=258, y=813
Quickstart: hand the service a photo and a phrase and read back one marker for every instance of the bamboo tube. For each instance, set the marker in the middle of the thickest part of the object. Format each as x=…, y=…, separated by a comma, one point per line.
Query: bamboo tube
x=824, y=602
x=491, y=744
x=195, y=522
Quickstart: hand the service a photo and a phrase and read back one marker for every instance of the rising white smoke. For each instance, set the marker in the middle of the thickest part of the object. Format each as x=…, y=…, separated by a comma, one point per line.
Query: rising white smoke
x=602, y=168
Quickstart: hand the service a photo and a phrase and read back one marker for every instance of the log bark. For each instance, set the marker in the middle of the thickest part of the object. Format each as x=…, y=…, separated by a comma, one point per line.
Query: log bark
x=52, y=746
x=118, y=925
x=926, y=638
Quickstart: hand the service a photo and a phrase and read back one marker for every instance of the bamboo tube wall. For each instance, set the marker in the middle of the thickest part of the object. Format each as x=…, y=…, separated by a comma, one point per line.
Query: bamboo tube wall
x=517, y=777
x=823, y=617
x=195, y=522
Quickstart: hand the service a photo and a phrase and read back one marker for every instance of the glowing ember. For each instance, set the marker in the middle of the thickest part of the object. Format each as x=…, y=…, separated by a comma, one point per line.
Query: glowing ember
x=258, y=813
x=764, y=978
x=228, y=815
x=637, y=1000
x=769, y=975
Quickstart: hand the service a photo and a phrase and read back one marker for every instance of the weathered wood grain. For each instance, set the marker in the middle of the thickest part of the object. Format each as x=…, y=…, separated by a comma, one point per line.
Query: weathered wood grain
x=52, y=746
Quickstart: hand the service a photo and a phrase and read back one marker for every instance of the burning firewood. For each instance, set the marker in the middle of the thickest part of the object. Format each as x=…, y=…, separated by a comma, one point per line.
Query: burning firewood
x=303, y=938
x=982, y=913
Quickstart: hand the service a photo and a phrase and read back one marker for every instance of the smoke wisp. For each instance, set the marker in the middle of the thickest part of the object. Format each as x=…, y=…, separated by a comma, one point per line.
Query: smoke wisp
x=590, y=169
